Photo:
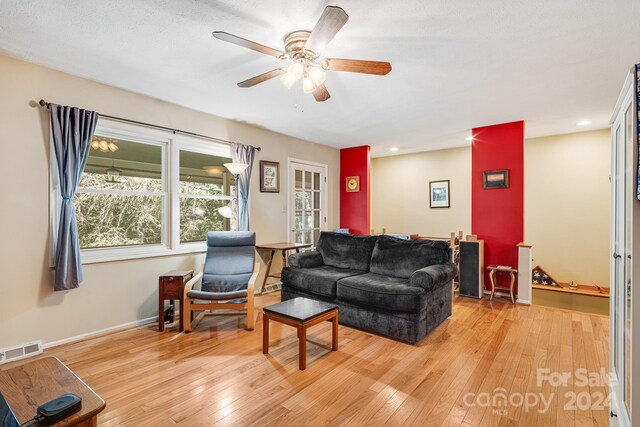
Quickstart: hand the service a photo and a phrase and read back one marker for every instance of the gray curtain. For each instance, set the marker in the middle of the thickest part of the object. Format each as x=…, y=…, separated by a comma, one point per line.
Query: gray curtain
x=71, y=130
x=243, y=154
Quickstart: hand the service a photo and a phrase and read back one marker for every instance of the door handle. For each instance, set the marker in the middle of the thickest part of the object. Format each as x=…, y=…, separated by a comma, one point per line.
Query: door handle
x=616, y=256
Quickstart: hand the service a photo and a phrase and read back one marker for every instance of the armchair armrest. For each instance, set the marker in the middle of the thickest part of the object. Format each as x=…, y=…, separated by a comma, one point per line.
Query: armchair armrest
x=252, y=279
x=307, y=259
x=191, y=283
x=434, y=276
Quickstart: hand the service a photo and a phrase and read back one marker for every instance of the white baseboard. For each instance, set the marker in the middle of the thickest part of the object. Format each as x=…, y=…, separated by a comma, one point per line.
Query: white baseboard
x=100, y=332
x=523, y=301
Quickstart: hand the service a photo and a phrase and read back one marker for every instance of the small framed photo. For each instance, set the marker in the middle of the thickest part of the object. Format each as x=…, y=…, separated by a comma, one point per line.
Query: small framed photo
x=269, y=177
x=352, y=184
x=495, y=179
x=439, y=195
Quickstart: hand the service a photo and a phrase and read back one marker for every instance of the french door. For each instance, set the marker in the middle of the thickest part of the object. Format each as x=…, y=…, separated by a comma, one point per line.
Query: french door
x=307, y=204
x=623, y=206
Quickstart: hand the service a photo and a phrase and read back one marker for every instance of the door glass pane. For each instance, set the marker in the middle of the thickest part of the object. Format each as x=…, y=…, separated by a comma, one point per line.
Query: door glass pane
x=316, y=220
x=298, y=221
x=308, y=223
x=316, y=200
x=307, y=180
x=316, y=181
x=307, y=200
x=298, y=178
x=299, y=200
x=308, y=236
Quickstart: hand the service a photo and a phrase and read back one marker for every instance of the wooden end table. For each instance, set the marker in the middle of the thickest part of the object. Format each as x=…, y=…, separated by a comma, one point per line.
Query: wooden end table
x=27, y=386
x=300, y=313
x=171, y=287
x=284, y=248
x=493, y=269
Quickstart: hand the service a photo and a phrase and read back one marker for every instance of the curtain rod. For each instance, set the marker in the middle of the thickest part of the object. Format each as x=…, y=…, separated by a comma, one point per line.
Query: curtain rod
x=46, y=105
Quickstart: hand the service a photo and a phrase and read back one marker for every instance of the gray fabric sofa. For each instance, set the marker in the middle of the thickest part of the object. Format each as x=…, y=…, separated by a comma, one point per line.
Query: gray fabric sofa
x=397, y=288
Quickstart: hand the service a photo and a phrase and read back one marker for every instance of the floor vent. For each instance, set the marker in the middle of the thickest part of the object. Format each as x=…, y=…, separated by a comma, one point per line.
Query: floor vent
x=10, y=354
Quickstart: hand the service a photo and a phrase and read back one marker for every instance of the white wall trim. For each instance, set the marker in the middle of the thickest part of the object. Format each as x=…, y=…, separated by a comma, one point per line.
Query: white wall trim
x=104, y=331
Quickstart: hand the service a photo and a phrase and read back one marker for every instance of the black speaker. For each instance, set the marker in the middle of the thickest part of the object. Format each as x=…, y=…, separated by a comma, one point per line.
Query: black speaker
x=471, y=268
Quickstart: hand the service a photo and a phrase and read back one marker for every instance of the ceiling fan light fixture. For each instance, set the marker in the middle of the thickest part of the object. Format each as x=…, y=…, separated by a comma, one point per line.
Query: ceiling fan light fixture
x=296, y=69
x=288, y=80
x=317, y=75
x=307, y=84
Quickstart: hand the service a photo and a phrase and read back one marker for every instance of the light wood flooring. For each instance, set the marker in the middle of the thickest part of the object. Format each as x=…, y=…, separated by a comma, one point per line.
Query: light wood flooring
x=217, y=375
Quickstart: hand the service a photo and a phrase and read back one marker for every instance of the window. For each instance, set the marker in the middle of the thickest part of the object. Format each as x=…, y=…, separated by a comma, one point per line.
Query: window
x=146, y=192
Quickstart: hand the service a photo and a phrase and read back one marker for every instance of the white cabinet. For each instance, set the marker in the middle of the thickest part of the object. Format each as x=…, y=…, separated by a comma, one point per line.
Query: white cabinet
x=625, y=268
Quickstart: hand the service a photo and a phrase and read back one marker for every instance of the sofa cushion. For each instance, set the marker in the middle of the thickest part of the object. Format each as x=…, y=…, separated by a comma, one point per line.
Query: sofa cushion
x=382, y=292
x=318, y=280
x=400, y=258
x=346, y=250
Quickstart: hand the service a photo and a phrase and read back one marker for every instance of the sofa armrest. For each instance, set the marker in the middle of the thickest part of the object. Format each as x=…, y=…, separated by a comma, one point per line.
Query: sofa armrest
x=307, y=259
x=434, y=276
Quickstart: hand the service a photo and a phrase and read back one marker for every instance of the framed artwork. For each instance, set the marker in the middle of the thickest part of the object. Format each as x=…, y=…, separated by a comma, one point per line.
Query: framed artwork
x=269, y=177
x=353, y=184
x=439, y=194
x=495, y=179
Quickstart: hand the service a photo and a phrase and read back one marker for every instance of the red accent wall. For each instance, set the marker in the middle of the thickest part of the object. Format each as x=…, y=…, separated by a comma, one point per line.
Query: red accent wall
x=497, y=215
x=355, y=208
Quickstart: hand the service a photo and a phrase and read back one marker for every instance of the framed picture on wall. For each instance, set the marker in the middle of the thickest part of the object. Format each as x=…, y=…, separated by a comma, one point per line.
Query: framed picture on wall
x=495, y=179
x=269, y=177
x=439, y=194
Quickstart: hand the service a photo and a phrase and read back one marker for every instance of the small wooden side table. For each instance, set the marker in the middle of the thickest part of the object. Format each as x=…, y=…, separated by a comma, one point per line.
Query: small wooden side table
x=493, y=269
x=300, y=313
x=283, y=247
x=171, y=287
x=29, y=385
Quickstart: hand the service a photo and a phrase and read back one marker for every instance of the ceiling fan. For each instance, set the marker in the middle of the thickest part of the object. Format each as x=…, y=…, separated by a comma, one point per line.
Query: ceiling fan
x=303, y=48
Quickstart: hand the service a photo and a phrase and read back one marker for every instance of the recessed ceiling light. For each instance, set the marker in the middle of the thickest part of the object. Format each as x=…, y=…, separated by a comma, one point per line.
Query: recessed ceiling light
x=393, y=148
x=584, y=122
x=469, y=138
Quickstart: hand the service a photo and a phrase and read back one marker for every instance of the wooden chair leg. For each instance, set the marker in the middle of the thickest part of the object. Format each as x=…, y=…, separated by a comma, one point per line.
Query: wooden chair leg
x=186, y=316
x=251, y=320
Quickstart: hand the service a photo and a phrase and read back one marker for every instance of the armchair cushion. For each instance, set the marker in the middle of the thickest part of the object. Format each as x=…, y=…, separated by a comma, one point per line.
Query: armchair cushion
x=308, y=259
x=433, y=276
x=217, y=296
x=400, y=258
x=229, y=262
x=346, y=250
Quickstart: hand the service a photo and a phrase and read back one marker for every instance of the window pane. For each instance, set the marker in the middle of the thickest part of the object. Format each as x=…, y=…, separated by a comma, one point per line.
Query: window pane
x=106, y=220
x=204, y=174
x=198, y=216
x=123, y=165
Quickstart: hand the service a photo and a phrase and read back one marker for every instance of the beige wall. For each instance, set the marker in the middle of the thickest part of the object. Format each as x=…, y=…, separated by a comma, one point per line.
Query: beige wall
x=566, y=200
x=567, y=193
x=117, y=292
x=400, y=192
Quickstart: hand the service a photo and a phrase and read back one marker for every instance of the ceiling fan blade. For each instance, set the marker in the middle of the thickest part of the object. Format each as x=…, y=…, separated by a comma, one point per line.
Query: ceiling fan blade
x=321, y=93
x=332, y=19
x=262, y=77
x=221, y=35
x=357, y=66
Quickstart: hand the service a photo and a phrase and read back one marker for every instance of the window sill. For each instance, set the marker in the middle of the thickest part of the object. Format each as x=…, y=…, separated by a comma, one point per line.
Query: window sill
x=95, y=256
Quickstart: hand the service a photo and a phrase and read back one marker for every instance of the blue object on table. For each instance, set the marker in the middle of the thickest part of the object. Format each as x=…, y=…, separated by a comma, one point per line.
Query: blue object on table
x=400, y=236
x=342, y=230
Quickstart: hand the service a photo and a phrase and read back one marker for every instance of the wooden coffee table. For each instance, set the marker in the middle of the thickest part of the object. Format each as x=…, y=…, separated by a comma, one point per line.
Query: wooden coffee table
x=300, y=313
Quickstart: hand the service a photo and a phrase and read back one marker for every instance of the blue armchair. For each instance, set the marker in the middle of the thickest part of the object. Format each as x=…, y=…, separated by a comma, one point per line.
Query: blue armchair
x=228, y=275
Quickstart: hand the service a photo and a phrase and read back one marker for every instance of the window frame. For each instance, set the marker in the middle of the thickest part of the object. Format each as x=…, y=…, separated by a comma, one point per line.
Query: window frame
x=172, y=145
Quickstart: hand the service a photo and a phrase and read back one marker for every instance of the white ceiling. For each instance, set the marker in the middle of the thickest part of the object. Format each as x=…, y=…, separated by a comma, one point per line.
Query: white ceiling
x=457, y=64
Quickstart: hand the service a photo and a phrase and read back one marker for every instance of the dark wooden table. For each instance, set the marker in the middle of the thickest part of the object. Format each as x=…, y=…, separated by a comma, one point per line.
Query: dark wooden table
x=31, y=384
x=300, y=313
x=493, y=269
x=171, y=287
x=283, y=247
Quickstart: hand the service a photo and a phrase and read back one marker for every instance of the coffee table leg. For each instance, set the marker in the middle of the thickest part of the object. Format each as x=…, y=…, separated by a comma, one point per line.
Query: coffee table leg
x=265, y=333
x=492, y=279
x=302, y=340
x=334, y=340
